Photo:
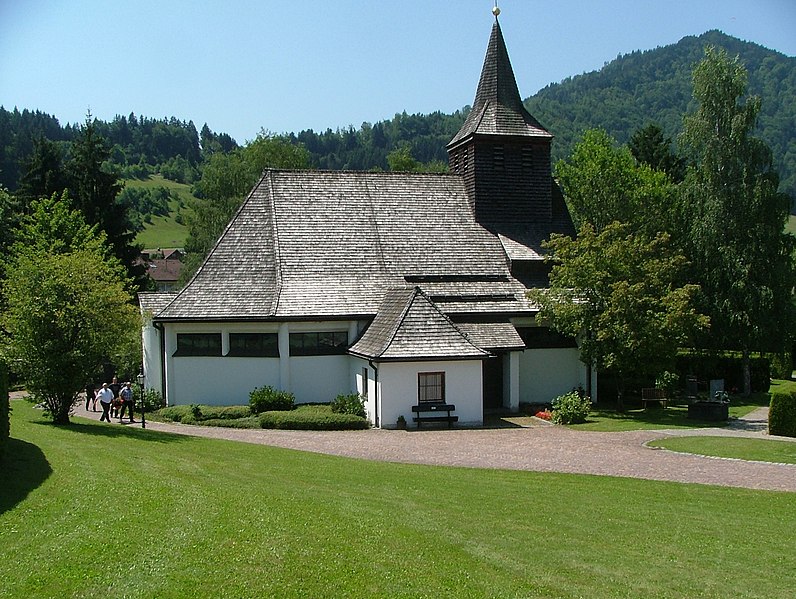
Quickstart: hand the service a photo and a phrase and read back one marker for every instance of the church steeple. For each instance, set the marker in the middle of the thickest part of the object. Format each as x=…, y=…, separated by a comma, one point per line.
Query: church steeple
x=498, y=108
x=502, y=151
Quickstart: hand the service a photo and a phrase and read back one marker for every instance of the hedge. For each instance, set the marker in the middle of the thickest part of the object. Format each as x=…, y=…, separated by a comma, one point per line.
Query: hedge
x=304, y=417
x=312, y=420
x=729, y=368
x=782, y=414
x=194, y=414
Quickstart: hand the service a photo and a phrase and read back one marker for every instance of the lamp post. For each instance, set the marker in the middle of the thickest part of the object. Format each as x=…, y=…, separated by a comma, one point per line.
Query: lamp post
x=141, y=379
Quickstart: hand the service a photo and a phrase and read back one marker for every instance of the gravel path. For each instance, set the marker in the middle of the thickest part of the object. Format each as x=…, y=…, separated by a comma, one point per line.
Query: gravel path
x=541, y=447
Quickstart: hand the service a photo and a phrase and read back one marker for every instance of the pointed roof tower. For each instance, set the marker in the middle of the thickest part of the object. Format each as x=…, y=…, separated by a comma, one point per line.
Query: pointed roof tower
x=498, y=108
x=501, y=151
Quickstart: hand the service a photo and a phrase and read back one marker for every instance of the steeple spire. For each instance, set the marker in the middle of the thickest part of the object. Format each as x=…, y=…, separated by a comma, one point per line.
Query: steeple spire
x=498, y=108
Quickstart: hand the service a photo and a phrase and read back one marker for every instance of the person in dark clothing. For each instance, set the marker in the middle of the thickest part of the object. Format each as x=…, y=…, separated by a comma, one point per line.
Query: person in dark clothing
x=91, y=397
x=116, y=404
x=126, y=395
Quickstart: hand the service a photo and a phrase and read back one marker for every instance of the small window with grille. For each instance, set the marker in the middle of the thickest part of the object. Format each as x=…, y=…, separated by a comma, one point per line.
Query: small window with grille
x=431, y=387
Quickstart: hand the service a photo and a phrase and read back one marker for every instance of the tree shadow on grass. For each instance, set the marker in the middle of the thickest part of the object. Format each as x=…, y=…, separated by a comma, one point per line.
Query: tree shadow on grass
x=23, y=469
x=115, y=431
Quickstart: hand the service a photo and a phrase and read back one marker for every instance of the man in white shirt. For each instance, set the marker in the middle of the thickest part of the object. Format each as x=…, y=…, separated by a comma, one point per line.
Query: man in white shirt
x=105, y=396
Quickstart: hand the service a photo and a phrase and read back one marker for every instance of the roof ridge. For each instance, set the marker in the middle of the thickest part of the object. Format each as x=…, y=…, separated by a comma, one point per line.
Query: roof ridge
x=399, y=321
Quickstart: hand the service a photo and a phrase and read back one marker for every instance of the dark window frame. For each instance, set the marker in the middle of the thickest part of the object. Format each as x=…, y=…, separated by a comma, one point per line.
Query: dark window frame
x=198, y=345
x=425, y=385
x=253, y=345
x=545, y=338
x=319, y=343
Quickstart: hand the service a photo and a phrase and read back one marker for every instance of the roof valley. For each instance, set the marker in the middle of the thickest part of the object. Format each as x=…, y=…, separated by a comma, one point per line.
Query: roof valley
x=275, y=236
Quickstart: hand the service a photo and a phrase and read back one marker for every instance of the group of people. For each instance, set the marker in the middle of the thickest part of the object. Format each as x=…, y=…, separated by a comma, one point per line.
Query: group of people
x=114, y=399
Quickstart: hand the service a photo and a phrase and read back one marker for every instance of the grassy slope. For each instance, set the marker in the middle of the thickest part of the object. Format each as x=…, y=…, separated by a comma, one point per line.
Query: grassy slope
x=163, y=232
x=107, y=511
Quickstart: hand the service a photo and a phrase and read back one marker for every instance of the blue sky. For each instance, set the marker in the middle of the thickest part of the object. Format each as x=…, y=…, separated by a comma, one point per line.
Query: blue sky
x=289, y=65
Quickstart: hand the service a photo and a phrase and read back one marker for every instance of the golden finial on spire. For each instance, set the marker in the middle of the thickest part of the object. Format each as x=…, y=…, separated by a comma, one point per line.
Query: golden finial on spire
x=496, y=10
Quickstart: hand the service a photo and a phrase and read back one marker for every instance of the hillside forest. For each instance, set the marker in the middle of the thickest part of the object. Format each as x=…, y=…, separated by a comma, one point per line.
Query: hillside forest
x=686, y=152
x=627, y=94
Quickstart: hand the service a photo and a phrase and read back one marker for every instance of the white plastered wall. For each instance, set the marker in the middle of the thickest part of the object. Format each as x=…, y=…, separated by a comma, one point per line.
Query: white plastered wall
x=228, y=380
x=547, y=373
x=151, y=358
x=398, y=388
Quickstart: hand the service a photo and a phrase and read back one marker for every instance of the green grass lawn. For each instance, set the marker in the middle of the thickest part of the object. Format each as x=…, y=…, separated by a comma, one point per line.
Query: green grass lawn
x=605, y=418
x=164, y=231
x=93, y=510
x=761, y=450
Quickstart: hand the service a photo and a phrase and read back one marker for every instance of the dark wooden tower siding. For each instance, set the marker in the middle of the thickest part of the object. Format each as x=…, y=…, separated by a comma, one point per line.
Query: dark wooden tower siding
x=501, y=151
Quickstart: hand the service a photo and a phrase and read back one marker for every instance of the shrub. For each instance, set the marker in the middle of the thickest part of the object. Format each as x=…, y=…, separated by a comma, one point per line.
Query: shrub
x=152, y=400
x=196, y=414
x=571, y=408
x=268, y=399
x=669, y=382
x=353, y=403
x=224, y=412
x=782, y=414
x=782, y=365
x=315, y=418
x=172, y=413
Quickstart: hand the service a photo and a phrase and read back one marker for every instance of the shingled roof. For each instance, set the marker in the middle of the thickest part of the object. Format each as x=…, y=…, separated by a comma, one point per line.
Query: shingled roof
x=498, y=108
x=409, y=326
x=310, y=244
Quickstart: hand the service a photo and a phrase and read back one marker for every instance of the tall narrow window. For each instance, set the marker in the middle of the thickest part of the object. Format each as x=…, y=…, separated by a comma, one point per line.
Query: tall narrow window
x=365, y=383
x=431, y=387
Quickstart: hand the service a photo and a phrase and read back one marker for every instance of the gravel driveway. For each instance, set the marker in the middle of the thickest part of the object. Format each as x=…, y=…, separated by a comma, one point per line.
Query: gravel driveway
x=541, y=448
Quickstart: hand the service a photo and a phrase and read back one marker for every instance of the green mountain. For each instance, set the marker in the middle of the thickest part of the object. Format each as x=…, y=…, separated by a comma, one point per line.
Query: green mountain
x=654, y=86
x=630, y=92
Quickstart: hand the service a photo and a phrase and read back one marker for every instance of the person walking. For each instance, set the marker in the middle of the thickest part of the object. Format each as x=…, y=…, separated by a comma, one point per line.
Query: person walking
x=105, y=396
x=126, y=395
x=116, y=404
x=91, y=397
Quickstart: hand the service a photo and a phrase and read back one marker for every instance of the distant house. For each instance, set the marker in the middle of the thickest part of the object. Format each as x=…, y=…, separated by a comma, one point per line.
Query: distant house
x=403, y=287
x=164, y=267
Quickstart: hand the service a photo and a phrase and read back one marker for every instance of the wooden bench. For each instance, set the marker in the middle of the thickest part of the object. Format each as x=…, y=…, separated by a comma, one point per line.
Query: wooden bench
x=652, y=394
x=436, y=408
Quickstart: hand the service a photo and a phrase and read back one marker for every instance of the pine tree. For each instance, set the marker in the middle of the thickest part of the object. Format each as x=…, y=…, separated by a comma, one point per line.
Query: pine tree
x=95, y=189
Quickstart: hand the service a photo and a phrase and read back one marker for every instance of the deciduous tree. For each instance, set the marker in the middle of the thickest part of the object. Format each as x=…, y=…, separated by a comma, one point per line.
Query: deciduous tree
x=68, y=307
x=735, y=217
x=603, y=183
x=617, y=291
